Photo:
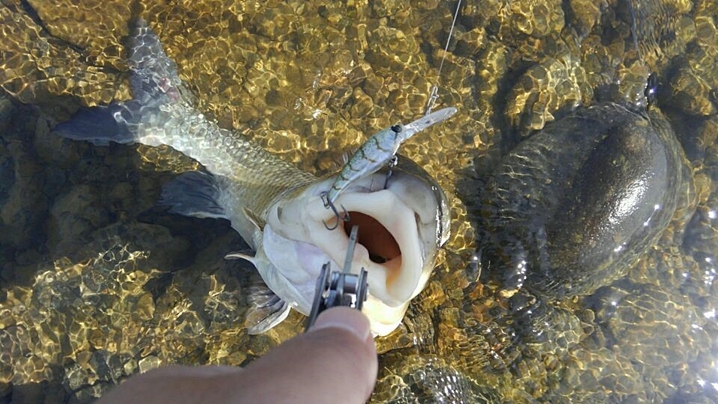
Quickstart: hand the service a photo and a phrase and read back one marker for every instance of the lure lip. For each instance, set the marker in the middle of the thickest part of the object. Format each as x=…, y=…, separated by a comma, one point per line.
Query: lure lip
x=428, y=120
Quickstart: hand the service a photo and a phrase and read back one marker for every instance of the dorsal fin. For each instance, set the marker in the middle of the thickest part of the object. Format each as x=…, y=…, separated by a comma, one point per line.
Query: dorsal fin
x=194, y=193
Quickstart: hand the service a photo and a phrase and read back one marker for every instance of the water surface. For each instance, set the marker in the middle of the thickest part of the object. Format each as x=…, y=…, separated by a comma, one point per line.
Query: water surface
x=98, y=283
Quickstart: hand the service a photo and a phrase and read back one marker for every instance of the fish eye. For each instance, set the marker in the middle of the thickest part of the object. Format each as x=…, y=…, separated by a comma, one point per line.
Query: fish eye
x=396, y=128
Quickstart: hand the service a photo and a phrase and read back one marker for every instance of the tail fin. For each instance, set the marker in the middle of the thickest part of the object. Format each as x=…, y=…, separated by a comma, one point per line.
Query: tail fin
x=99, y=125
x=154, y=77
x=154, y=82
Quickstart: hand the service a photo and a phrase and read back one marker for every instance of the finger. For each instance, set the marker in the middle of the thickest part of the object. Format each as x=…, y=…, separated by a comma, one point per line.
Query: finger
x=170, y=384
x=334, y=362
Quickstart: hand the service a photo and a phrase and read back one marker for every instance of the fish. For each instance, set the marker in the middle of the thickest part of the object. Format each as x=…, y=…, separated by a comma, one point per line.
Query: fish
x=273, y=205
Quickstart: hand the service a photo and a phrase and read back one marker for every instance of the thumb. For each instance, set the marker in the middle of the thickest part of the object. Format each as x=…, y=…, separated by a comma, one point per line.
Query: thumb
x=335, y=361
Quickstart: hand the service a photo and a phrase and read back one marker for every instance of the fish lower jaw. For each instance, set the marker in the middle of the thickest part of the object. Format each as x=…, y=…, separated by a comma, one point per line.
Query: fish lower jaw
x=383, y=319
x=389, y=245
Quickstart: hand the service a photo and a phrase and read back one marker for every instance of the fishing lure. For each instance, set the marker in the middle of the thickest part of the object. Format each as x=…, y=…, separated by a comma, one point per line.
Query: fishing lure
x=377, y=152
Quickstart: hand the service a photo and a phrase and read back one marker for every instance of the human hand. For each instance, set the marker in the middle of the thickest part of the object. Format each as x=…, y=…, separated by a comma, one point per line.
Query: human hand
x=334, y=362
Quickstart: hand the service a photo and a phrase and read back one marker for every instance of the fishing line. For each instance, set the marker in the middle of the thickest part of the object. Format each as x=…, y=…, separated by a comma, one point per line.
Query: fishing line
x=650, y=91
x=434, y=94
x=634, y=30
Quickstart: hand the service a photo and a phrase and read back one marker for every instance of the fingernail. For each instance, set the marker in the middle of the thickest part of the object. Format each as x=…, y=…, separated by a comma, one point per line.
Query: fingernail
x=343, y=317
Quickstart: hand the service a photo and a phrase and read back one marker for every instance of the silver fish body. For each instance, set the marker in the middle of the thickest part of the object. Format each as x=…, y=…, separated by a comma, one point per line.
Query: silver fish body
x=274, y=206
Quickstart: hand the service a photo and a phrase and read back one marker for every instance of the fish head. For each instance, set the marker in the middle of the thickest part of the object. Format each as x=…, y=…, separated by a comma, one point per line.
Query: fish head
x=402, y=225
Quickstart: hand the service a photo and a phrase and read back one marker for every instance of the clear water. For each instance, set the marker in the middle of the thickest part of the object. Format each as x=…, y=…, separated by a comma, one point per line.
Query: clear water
x=98, y=283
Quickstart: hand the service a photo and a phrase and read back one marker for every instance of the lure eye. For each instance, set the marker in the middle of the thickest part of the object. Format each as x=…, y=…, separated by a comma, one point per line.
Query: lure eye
x=396, y=128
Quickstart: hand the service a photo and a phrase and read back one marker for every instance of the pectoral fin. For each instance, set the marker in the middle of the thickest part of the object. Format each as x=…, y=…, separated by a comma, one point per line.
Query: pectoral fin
x=238, y=255
x=266, y=309
x=254, y=219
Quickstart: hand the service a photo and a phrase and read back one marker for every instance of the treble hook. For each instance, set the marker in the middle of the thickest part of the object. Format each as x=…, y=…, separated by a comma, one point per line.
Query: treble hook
x=392, y=163
x=329, y=204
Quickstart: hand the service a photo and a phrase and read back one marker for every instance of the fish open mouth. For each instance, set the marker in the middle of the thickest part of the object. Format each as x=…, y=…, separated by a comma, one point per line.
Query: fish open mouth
x=389, y=244
x=379, y=242
x=401, y=226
